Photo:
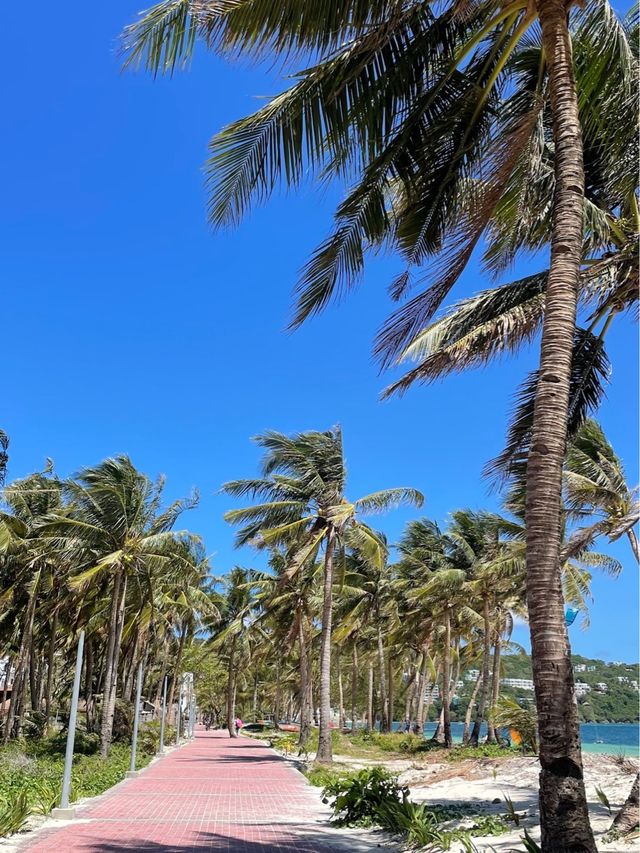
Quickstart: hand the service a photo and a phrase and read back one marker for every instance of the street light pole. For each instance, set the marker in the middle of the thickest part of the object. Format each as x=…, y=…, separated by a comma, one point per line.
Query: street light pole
x=65, y=811
x=163, y=715
x=136, y=716
x=179, y=715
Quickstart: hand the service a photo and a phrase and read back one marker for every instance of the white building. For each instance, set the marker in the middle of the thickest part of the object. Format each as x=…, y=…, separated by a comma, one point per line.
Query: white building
x=591, y=668
x=622, y=679
x=432, y=692
x=522, y=683
x=471, y=674
x=582, y=688
x=602, y=687
x=580, y=667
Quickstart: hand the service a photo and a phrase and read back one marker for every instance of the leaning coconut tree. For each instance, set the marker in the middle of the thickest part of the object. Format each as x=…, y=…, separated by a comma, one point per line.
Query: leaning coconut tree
x=302, y=503
x=427, y=112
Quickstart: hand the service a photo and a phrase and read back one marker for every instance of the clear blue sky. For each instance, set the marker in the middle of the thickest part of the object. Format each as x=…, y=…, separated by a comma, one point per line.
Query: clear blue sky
x=129, y=327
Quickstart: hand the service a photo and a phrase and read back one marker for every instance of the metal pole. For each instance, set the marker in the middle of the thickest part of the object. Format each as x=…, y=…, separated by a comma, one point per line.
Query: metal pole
x=192, y=718
x=178, y=715
x=71, y=733
x=164, y=713
x=136, y=717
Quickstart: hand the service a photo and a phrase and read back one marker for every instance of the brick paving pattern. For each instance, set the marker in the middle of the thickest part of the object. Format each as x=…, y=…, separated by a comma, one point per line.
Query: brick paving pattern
x=213, y=794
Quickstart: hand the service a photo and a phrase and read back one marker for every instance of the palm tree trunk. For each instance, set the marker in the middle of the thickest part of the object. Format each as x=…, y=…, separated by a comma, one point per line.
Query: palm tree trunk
x=438, y=735
x=88, y=685
x=176, y=669
x=370, y=697
x=486, y=662
x=48, y=693
x=231, y=691
x=446, y=678
x=325, y=752
x=390, y=696
x=411, y=692
x=33, y=677
x=22, y=661
x=340, y=695
x=5, y=686
x=628, y=818
x=354, y=684
x=277, y=700
x=564, y=816
x=422, y=688
x=633, y=540
x=467, y=718
x=492, y=735
x=305, y=710
x=116, y=623
x=384, y=719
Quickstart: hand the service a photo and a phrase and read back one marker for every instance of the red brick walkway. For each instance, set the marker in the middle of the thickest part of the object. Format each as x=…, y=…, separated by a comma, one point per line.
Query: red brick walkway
x=212, y=794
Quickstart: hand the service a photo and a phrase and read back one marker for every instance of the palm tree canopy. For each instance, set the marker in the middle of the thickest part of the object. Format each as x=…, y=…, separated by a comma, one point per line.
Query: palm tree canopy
x=439, y=121
x=302, y=496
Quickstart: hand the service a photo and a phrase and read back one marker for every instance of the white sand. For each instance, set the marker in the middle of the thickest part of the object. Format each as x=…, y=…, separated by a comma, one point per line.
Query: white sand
x=478, y=782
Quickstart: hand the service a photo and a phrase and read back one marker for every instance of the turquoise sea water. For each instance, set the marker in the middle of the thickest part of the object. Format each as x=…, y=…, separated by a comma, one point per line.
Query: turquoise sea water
x=596, y=737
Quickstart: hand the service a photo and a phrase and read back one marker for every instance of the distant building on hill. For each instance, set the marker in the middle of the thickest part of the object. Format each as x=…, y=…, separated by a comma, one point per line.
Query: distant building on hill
x=602, y=687
x=522, y=683
x=582, y=688
x=471, y=674
x=580, y=667
x=432, y=692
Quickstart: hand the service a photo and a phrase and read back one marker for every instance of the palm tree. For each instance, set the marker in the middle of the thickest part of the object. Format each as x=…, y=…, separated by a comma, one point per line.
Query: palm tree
x=31, y=567
x=114, y=532
x=384, y=73
x=369, y=600
x=595, y=484
x=289, y=602
x=302, y=490
x=231, y=636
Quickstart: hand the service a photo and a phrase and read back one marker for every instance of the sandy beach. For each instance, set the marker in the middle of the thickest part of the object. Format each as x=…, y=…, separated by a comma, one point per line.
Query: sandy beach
x=485, y=783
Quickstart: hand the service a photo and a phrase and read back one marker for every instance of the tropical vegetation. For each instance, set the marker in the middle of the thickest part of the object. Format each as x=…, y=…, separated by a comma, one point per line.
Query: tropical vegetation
x=450, y=124
x=341, y=632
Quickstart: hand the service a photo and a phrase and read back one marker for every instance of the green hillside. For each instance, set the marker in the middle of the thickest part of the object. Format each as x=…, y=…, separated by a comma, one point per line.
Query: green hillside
x=619, y=704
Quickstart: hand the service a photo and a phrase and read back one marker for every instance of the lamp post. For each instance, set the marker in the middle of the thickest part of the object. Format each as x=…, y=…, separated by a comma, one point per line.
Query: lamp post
x=163, y=715
x=136, y=716
x=65, y=811
x=178, y=716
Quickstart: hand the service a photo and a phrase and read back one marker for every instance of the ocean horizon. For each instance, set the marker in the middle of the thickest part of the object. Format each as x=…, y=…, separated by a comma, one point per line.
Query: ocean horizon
x=596, y=737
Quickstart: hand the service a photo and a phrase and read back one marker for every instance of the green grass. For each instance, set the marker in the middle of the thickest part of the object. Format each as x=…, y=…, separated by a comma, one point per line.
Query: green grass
x=31, y=777
x=377, y=746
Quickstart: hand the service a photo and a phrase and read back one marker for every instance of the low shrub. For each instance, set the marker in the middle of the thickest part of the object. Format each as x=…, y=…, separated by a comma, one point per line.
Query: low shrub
x=360, y=799
x=85, y=743
x=485, y=750
x=322, y=777
x=149, y=737
x=14, y=813
x=373, y=797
